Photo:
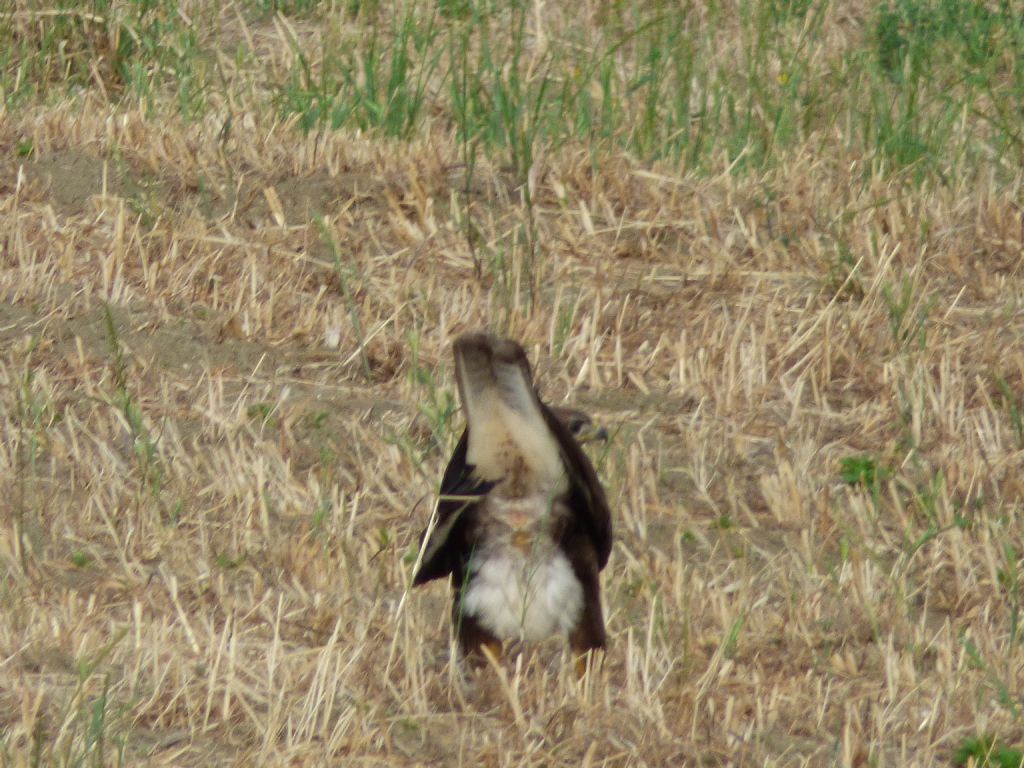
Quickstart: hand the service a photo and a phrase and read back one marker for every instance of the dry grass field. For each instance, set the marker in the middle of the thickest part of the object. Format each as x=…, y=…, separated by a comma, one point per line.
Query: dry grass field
x=776, y=248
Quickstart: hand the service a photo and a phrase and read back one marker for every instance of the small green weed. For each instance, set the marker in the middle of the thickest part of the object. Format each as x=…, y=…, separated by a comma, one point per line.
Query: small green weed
x=33, y=415
x=863, y=471
x=731, y=642
x=80, y=559
x=95, y=726
x=1012, y=404
x=437, y=404
x=908, y=317
x=345, y=273
x=261, y=413
x=227, y=562
x=151, y=471
x=1009, y=581
x=842, y=275
x=1006, y=699
x=986, y=752
x=290, y=8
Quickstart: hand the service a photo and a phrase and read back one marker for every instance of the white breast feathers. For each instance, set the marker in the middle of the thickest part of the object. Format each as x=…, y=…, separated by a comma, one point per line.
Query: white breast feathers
x=516, y=596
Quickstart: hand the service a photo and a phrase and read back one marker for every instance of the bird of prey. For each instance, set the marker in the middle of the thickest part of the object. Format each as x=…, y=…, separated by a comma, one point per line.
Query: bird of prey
x=523, y=526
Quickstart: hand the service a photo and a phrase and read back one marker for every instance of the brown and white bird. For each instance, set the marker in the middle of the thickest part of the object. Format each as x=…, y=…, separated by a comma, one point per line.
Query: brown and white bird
x=523, y=527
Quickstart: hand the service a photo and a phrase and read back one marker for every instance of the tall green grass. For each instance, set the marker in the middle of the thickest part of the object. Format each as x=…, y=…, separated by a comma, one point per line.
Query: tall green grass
x=144, y=50
x=379, y=84
x=945, y=84
x=931, y=86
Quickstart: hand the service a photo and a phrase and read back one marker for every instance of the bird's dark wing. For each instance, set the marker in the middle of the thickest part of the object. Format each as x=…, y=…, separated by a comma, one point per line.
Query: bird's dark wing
x=448, y=547
x=586, y=495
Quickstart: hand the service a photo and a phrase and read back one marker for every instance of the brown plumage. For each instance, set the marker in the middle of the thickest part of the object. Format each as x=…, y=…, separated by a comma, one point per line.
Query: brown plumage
x=523, y=527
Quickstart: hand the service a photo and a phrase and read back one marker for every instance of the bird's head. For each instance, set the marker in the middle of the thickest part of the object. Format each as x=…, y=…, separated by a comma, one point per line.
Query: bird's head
x=580, y=425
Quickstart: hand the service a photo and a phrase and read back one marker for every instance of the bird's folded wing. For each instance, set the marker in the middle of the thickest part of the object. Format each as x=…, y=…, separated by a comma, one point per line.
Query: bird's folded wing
x=586, y=494
x=460, y=492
